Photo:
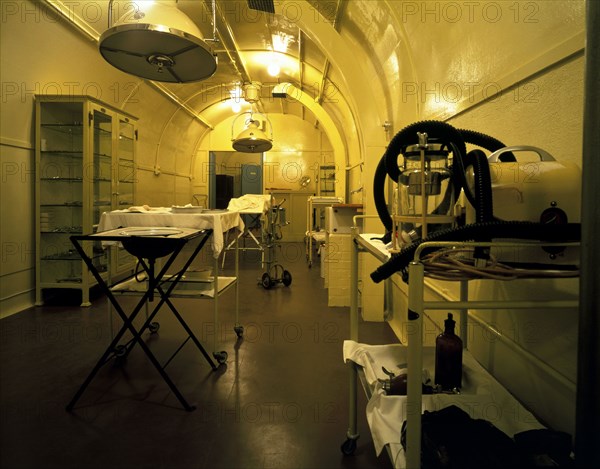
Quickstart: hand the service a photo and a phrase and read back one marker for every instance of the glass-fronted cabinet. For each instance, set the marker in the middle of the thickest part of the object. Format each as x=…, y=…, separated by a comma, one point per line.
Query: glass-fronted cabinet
x=77, y=140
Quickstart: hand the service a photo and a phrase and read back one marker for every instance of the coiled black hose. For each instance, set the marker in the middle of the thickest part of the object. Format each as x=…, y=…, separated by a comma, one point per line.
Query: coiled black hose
x=440, y=131
x=485, y=141
x=378, y=192
x=476, y=232
x=482, y=199
x=388, y=165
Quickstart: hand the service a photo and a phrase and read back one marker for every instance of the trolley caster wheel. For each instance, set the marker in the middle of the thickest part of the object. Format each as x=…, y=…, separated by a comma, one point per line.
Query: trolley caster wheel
x=154, y=327
x=121, y=351
x=310, y=265
x=349, y=446
x=239, y=331
x=286, y=278
x=266, y=281
x=221, y=357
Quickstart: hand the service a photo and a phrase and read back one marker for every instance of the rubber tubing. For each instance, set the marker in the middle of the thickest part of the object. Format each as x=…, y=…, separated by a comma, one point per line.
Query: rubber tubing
x=477, y=231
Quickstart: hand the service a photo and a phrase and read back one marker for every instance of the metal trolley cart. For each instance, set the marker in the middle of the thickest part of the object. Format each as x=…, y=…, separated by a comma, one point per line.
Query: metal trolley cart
x=147, y=244
x=274, y=272
x=315, y=203
x=415, y=354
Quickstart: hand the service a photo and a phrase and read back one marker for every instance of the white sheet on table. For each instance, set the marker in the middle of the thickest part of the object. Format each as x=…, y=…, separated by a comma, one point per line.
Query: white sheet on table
x=251, y=203
x=482, y=397
x=147, y=209
x=218, y=222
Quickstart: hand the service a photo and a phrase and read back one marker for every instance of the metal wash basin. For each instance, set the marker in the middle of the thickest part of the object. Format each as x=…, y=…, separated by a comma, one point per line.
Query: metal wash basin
x=151, y=242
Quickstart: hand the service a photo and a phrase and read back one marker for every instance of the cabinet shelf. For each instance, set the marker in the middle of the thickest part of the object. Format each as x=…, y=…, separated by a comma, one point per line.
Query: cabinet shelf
x=62, y=179
x=70, y=256
x=327, y=180
x=62, y=231
x=67, y=153
x=64, y=204
x=75, y=128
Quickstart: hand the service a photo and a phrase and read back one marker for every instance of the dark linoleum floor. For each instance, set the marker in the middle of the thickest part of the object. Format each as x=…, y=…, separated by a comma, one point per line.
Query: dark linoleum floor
x=280, y=401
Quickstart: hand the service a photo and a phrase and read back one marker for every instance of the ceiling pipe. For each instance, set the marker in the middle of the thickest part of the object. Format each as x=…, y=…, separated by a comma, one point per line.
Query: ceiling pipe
x=73, y=19
x=232, y=46
x=243, y=74
x=301, y=66
x=327, y=64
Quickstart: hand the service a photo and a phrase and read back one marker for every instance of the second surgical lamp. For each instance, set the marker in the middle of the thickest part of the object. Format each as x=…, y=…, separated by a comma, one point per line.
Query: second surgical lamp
x=253, y=138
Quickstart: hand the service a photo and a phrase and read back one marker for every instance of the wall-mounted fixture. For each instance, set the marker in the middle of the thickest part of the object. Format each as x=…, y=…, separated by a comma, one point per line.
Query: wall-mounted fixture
x=252, y=139
x=280, y=90
x=157, y=41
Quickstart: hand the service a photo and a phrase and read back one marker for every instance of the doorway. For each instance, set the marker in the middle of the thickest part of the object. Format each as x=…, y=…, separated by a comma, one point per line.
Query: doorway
x=233, y=174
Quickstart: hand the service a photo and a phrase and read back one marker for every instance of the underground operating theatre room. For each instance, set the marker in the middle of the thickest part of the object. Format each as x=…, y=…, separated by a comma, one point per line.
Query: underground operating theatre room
x=299, y=234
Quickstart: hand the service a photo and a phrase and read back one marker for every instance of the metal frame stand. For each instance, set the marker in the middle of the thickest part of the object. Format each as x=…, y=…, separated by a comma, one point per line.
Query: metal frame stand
x=274, y=272
x=155, y=283
x=247, y=233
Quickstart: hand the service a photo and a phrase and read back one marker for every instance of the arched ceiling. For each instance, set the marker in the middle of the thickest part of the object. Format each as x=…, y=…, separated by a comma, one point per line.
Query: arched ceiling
x=249, y=41
x=367, y=62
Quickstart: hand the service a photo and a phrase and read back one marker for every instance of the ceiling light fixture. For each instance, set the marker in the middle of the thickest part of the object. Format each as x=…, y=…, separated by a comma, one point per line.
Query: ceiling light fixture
x=157, y=41
x=273, y=69
x=252, y=139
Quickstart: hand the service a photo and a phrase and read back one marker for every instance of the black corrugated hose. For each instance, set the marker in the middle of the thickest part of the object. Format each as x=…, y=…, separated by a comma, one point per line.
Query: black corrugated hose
x=489, y=143
x=476, y=232
x=388, y=165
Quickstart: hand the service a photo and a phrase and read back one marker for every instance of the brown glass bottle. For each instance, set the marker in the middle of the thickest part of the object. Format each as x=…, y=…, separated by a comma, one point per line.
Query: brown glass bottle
x=448, y=357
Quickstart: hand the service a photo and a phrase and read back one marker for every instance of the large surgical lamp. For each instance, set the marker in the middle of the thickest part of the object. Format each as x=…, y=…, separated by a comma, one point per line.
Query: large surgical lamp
x=253, y=138
x=157, y=41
